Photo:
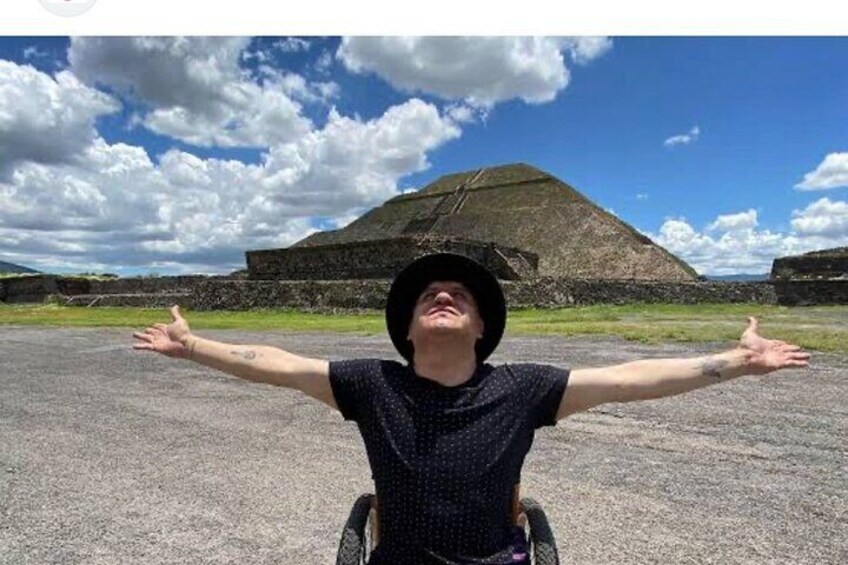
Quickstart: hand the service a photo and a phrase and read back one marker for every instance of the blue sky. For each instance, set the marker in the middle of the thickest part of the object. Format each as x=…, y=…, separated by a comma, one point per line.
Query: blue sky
x=172, y=155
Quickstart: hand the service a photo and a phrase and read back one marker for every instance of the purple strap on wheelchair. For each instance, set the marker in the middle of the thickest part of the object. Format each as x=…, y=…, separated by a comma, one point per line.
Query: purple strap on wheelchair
x=519, y=545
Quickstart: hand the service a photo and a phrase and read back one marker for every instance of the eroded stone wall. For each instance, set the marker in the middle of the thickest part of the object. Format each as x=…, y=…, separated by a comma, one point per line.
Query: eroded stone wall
x=146, y=285
x=812, y=292
x=828, y=264
x=211, y=293
x=320, y=295
x=381, y=259
x=552, y=292
x=540, y=293
x=37, y=288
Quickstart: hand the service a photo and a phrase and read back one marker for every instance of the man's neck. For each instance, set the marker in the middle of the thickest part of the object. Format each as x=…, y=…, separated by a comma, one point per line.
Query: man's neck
x=446, y=365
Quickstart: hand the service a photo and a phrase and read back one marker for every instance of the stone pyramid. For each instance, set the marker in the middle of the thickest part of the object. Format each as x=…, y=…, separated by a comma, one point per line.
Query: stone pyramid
x=517, y=207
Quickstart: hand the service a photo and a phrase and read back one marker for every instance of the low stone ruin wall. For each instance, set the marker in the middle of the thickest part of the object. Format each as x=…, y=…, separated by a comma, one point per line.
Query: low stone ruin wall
x=224, y=293
x=818, y=265
x=811, y=293
x=37, y=288
x=553, y=292
x=539, y=293
x=382, y=259
x=310, y=295
x=148, y=285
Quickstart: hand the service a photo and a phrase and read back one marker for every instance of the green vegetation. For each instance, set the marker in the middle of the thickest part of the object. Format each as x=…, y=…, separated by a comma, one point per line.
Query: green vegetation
x=54, y=315
x=823, y=328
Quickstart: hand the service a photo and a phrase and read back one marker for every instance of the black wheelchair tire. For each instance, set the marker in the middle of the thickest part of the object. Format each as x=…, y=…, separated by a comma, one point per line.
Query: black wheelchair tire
x=542, y=543
x=352, y=547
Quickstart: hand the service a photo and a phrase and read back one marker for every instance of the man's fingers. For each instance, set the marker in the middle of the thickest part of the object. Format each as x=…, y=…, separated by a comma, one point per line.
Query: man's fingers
x=175, y=312
x=147, y=346
x=143, y=336
x=163, y=327
x=796, y=360
x=155, y=332
x=753, y=323
x=795, y=354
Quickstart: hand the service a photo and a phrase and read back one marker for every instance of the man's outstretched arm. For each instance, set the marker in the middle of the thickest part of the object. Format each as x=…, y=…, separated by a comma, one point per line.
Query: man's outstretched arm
x=258, y=363
x=657, y=378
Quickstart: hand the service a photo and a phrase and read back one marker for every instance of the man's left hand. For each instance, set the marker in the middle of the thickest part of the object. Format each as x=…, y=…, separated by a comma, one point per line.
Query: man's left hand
x=770, y=354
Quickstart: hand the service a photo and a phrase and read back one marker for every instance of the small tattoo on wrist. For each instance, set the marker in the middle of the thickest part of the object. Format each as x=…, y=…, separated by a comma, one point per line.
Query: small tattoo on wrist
x=246, y=355
x=713, y=367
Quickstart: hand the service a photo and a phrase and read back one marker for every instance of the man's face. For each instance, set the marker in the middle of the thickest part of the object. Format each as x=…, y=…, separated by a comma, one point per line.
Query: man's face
x=446, y=306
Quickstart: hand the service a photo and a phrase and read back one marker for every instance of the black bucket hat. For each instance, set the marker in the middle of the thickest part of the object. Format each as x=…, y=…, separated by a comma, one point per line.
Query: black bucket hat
x=415, y=277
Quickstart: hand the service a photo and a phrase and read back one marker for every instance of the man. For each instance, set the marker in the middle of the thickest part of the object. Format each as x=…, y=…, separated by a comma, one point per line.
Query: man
x=446, y=434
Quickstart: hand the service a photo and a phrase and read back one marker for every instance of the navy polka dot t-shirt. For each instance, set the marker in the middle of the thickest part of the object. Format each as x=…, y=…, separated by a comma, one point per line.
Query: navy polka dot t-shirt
x=445, y=459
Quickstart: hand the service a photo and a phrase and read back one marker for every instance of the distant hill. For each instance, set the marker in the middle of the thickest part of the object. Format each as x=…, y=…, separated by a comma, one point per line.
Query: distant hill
x=11, y=268
x=740, y=277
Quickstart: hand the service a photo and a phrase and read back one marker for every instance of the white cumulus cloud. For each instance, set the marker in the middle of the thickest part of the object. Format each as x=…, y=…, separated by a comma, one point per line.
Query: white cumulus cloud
x=684, y=139
x=586, y=49
x=732, y=243
x=351, y=162
x=113, y=207
x=292, y=45
x=33, y=52
x=734, y=222
x=822, y=218
x=324, y=62
x=46, y=119
x=196, y=89
x=831, y=173
x=479, y=70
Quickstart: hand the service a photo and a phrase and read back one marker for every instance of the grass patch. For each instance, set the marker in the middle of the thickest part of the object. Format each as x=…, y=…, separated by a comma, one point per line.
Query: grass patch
x=822, y=328
x=54, y=315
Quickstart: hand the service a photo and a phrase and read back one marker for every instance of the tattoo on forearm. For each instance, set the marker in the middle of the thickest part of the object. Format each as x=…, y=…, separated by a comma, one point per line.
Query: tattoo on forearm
x=246, y=355
x=712, y=367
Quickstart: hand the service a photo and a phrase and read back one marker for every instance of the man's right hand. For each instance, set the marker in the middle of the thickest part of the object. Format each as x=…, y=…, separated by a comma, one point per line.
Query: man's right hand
x=257, y=363
x=171, y=340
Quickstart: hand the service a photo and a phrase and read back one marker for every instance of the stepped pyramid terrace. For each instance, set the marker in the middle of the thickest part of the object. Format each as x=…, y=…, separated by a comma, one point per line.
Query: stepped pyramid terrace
x=815, y=265
x=518, y=220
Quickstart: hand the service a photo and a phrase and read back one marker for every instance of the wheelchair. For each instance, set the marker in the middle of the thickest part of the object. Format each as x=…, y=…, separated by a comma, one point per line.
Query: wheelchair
x=361, y=532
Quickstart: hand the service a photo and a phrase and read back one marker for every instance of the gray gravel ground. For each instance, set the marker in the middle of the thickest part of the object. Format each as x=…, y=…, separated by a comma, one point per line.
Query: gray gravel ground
x=109, y=455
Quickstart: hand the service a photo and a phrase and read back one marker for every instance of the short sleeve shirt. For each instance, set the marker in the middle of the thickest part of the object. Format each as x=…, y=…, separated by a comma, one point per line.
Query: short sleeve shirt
x=445, y=459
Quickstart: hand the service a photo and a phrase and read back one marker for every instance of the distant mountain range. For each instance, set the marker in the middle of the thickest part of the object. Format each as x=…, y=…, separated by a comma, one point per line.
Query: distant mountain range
x=740, y=277
x=11, y=268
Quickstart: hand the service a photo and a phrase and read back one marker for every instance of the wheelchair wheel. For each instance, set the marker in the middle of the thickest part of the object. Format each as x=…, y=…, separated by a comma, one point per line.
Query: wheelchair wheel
x=543, y=549
x=355, y=546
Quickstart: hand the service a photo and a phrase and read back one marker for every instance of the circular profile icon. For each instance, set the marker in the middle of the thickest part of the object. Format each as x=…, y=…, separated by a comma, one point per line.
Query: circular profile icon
x=67, y=8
